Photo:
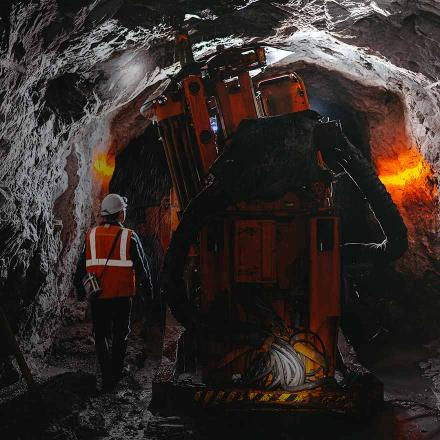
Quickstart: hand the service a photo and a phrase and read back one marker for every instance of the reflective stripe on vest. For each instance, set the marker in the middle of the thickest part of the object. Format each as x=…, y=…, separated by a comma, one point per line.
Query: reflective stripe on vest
x=121, y=262
x=119, y=280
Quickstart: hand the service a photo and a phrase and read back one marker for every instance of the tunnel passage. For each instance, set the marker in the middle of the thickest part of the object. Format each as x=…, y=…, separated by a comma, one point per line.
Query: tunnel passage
x=141, y=175
x=386, y=300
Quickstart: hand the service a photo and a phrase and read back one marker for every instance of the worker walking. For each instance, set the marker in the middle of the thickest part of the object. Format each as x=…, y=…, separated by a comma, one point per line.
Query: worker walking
x=112, y=265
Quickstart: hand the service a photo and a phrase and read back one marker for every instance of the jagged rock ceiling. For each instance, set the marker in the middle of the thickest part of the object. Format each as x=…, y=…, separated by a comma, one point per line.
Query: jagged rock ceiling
x=74, y=74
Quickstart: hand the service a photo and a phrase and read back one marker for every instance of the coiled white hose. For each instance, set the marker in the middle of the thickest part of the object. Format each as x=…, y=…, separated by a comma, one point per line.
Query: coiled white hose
x=283, y=363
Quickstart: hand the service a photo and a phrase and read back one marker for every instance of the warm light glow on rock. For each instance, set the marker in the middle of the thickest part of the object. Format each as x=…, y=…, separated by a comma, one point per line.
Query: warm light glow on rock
x=407, y=177
x=104, y=166
x=403, y=177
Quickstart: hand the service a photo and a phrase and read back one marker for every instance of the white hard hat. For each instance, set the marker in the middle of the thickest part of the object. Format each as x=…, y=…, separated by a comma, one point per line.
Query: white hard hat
x=112, y=204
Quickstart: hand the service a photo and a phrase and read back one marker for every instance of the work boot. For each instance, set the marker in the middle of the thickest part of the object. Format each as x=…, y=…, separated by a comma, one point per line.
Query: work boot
x=102, y=352
x=118, y=354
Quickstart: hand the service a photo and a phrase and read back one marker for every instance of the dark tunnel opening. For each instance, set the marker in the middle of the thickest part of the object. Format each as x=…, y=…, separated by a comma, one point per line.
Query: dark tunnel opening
x=141, y=175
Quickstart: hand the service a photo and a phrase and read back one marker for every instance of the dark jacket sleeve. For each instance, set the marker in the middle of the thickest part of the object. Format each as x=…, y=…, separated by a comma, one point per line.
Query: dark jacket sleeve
x=141, y=266
x=80, y=274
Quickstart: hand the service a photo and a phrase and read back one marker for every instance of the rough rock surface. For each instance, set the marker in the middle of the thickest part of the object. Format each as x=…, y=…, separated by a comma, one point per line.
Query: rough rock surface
x=73, y=75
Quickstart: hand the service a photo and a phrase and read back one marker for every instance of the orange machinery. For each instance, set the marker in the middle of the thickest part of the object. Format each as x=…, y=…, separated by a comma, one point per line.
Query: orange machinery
x=267, y=264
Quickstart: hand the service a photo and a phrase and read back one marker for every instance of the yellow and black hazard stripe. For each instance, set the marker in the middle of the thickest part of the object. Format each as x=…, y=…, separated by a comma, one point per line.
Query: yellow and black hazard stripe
x=219, y=397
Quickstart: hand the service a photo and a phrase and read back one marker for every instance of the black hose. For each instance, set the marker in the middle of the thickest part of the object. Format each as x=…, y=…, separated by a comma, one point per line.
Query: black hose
x=338, y=151
x=396, y=237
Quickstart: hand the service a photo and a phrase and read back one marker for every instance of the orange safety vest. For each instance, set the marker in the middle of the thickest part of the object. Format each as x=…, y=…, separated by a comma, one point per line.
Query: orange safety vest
x=118, y=278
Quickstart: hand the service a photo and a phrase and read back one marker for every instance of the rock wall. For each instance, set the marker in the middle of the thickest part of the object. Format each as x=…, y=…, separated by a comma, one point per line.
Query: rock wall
x=74, y=73
x=58, y=97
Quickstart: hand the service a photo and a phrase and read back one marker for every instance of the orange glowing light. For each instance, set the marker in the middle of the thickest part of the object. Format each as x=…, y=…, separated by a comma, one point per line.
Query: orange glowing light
x=407, y=173
x=403, y=177
x=104, y=166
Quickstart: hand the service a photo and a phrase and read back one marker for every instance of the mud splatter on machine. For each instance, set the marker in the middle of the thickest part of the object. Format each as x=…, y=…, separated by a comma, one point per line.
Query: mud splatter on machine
x=253, y=250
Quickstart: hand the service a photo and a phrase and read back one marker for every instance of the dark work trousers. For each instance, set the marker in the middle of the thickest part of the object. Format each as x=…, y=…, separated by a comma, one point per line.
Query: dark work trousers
x=111, y=320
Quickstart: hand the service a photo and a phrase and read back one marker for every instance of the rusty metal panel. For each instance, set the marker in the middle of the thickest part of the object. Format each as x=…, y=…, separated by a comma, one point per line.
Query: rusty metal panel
x=196, y=99
x=168, y=109
x=237, y=101
x=254, y=251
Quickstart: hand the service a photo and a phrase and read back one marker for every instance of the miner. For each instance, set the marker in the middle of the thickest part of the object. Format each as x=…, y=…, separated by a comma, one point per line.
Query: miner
x=111, y=269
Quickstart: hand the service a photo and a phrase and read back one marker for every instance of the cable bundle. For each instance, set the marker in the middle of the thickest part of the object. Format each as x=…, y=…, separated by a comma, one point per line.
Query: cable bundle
x=281, y=366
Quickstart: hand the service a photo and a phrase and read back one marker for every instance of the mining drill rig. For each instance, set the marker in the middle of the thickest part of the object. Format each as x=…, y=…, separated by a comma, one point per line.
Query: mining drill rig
x=252, y=268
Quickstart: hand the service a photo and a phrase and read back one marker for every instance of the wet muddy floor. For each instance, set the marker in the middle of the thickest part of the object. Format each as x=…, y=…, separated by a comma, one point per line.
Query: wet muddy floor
x=71, y=408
